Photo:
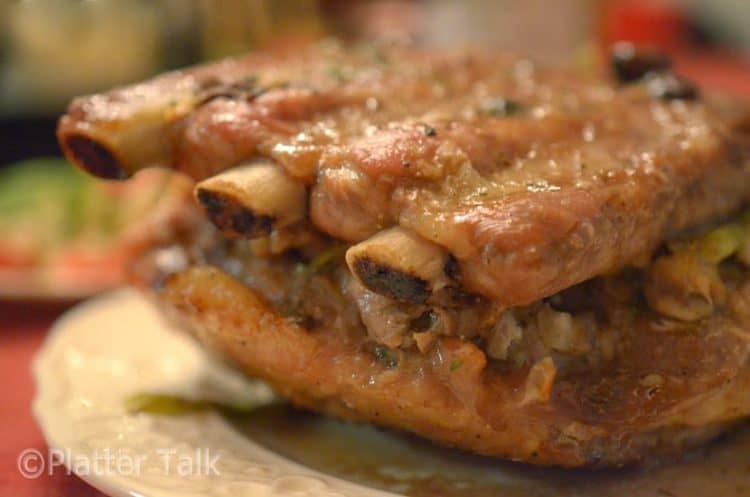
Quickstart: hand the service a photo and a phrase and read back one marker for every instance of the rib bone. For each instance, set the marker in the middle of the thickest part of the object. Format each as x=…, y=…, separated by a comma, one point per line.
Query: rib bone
x=399, y=264
x=252, y=200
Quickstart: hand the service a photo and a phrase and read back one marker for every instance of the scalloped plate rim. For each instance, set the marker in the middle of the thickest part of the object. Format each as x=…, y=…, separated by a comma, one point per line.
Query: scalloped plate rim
x=44, y=373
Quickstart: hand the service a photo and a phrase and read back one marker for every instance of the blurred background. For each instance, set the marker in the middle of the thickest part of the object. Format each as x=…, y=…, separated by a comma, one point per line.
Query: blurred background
x=52, y=50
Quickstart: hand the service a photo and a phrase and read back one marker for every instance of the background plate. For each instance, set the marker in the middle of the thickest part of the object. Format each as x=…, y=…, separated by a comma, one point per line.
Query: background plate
x=40, y=284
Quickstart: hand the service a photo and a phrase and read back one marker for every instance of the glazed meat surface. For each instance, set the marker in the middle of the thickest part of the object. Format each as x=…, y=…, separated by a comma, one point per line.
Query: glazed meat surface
x=540, y=265
x=532, y=180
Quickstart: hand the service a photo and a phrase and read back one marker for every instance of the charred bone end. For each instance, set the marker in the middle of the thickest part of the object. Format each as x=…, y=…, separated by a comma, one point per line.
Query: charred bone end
x=391, y=283
x=400, y=264
x=252, y=200
x=231, y=217
x=93, y=157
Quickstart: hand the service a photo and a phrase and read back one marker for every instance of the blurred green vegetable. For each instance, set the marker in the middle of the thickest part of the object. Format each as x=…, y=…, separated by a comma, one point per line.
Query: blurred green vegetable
x=724, y=241
x=718, y=244
x=53, y=200
x=172, y=405
x=46, y=204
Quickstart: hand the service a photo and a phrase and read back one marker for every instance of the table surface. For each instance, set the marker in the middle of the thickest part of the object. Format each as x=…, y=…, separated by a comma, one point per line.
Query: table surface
x=23, y=327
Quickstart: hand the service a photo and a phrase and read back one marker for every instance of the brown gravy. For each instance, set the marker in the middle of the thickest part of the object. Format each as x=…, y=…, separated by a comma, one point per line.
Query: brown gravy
x=413, y=467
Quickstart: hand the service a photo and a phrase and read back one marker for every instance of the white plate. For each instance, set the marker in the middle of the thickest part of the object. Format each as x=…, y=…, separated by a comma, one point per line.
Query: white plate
x=117, y=345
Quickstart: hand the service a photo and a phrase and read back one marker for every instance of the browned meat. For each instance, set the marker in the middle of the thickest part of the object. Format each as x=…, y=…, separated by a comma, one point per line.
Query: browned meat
x=662, y=391
x=519, y=262
x=610, y=372
x=533, y=180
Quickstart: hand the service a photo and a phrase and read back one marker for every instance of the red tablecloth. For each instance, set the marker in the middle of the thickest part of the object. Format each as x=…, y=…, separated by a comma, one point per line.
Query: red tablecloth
x=22, y=330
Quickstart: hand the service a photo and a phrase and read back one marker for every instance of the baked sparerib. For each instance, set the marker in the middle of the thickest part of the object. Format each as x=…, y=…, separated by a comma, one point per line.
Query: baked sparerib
x=535, y=264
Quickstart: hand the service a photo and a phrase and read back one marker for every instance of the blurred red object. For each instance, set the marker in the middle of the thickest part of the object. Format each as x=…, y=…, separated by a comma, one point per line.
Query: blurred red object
x=666, y=25
x=715, y=70
x=654, y=22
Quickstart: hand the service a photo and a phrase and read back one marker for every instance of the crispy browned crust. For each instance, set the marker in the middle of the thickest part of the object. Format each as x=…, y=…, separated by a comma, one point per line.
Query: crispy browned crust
x=452, y=396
